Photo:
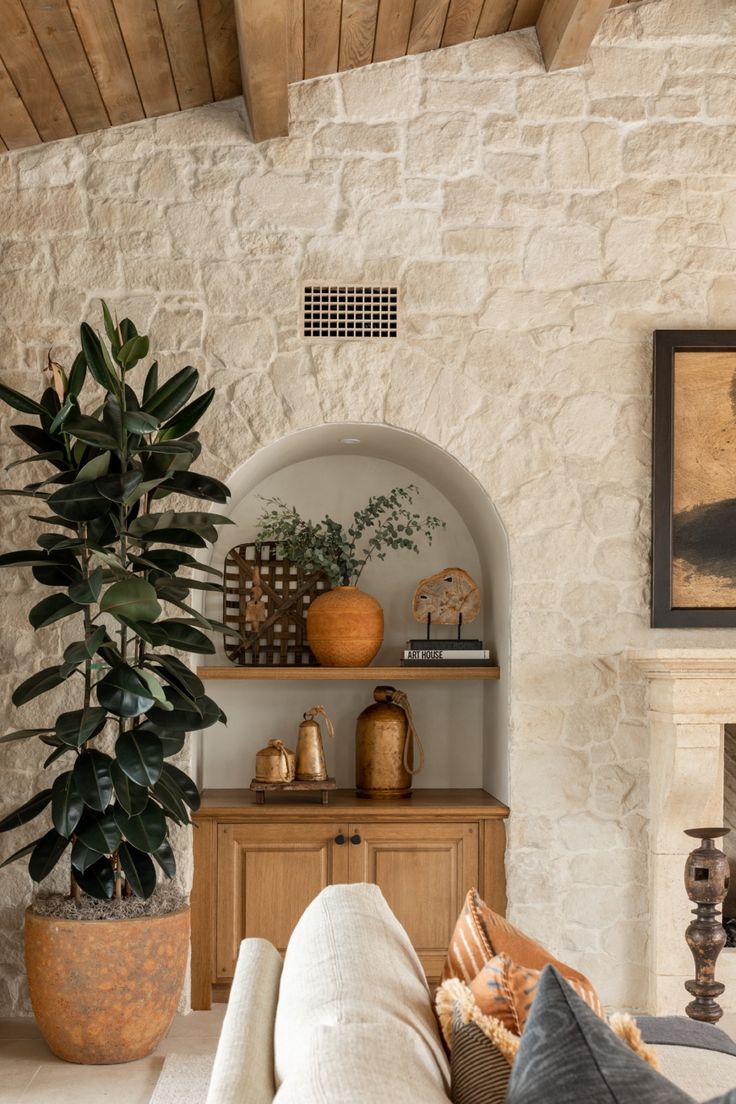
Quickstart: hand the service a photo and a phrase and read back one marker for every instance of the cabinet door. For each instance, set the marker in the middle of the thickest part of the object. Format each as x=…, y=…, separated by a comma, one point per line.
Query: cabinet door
x=424, y=872
x=267, y=875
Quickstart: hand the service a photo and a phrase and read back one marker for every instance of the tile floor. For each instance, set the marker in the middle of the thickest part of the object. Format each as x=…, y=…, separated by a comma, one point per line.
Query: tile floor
x=30, y=1074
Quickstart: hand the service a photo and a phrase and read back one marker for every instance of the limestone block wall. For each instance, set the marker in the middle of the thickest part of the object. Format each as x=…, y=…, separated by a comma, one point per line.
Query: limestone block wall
x=539, y=228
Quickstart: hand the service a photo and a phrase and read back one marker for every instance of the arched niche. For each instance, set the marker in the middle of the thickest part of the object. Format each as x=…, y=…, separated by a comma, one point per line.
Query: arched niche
x=463, y=724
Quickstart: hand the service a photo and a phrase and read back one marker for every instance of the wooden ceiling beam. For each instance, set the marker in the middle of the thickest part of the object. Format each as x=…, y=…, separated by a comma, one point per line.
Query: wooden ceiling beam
x=262, y=30
x=566, y=28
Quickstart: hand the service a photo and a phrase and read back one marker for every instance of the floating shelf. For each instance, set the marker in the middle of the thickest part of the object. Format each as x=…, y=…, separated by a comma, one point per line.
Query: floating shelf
x=355, y=674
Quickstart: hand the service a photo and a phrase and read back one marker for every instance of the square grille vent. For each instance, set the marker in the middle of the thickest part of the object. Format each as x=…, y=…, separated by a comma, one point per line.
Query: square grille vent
x=350, y=311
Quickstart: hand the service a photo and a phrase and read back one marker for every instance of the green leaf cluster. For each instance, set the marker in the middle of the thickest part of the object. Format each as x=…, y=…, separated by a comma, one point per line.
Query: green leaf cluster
x=113, y=562
x=385, y=522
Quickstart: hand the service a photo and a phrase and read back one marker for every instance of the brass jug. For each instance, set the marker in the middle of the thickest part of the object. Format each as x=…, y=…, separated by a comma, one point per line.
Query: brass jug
x=310, y=753
x=384, y=746
x=275, y=763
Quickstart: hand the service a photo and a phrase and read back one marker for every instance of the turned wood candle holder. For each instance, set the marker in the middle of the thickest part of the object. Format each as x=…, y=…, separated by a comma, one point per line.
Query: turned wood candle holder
x=706, y=883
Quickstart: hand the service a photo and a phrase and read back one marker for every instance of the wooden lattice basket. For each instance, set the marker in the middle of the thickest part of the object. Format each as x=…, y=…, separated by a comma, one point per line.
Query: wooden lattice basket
x=266, y=599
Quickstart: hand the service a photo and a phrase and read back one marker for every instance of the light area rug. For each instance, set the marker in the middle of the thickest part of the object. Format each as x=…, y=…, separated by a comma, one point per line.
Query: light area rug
x=184, y=1079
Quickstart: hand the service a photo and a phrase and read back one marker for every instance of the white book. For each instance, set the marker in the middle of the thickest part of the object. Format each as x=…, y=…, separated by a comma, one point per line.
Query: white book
x=446, y=653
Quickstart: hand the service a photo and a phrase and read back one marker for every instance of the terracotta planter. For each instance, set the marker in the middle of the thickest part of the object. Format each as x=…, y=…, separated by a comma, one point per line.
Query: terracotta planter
x=345, y=627
x=105, y=991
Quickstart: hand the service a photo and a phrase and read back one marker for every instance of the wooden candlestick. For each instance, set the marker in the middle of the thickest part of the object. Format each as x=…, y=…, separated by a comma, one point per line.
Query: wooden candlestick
x=706, y=883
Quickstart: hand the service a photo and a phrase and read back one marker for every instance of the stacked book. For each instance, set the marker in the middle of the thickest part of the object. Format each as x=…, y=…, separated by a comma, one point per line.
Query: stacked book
x=445, y=653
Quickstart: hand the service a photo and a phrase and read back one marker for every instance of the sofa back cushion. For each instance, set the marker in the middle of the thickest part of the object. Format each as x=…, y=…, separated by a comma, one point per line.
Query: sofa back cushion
x=350, y=962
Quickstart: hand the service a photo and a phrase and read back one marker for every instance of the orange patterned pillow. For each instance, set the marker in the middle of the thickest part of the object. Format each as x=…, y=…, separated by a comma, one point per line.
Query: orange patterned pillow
x=506, y=991
x=481, y=931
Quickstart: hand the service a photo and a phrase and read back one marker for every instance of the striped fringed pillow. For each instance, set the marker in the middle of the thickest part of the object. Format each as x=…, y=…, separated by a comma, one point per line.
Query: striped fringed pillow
x=469, y=948
x=481, y=1049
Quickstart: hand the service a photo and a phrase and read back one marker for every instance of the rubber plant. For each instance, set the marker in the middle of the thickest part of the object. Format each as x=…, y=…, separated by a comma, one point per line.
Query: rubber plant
x=118, y=568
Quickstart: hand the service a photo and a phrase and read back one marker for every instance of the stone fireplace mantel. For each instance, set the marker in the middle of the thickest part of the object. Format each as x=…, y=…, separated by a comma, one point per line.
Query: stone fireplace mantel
x=691, y=697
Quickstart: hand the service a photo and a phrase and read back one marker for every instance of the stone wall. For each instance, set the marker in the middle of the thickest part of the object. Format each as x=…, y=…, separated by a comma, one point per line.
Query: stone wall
x=539, y=228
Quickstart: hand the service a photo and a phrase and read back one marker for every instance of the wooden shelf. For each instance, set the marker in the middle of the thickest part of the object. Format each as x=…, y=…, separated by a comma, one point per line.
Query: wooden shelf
x=423, y=804
x=356, y=674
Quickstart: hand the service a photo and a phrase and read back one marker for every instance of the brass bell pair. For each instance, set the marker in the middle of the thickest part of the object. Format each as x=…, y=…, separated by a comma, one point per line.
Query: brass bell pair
x=277, y=763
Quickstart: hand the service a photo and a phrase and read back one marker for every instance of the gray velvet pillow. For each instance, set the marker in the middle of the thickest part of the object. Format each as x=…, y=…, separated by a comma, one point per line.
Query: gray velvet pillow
x=568, y=1055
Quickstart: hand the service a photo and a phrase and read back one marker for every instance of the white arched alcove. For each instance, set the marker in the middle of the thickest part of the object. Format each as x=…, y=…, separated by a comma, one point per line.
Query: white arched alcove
x=463, y=724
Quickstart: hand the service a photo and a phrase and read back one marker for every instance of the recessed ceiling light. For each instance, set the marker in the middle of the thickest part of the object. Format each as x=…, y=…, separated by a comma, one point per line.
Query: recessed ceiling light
x=350, y=440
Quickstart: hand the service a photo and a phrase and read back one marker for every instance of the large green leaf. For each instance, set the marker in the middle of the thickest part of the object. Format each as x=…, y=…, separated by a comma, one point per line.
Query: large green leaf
x=97, y=880
x=172, y=742
x=67, y=805
x=186, y=715
x=37, y=684
x=39, y=441
x=26, y=812
x=171, y=801
x=87, y=590
x=91, y=431
x=29, y=557
x=164, y=856
x=198, y=521
x=110, y=329
x=136, y=421
x=135, y=349
x=46, y=855
x=138, y=869
x=183, y=784
x=81, y=650
x=40, y=456
x=99, y=831
x=185, y=538
x=123, y=693
x=130, y=795
x=147, y=831
x=76, y=727
x=132, y=598
x=19, y=401
x=94, y=468
x=22, y=734
x=186, y=638
x=169, y=560
x=97, y=359
x=121, y=487
x=83, y=856
x=52, y=609
x=20, y=853
x=187, y=418
x=178, y=673
x=70, y=403
x=93, y=779
x=172, y=395
x=112, y=419
x=149, y=631
x=194, y=485
x=150, y=387
x=155, y=687
x=79, y=502
x=140, y=756
x=77, y=375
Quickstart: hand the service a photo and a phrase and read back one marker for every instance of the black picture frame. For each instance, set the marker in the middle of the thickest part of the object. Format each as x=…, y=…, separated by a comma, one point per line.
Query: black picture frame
x=667, y=343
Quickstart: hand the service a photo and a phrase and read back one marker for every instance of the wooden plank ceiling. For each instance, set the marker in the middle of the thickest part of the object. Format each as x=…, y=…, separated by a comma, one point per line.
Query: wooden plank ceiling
x=73, y=66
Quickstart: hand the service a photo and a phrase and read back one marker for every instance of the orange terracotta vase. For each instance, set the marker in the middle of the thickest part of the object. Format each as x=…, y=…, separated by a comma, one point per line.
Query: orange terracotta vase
x=345, y=627
x=105, y=991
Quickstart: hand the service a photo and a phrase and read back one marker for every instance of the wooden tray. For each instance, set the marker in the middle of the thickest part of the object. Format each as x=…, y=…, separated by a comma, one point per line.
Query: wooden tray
x=281, y=640
x=262, y=788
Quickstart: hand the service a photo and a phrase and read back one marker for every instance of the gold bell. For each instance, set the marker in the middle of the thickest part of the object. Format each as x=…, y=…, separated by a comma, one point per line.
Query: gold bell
x=310, y=753
x=275, y=763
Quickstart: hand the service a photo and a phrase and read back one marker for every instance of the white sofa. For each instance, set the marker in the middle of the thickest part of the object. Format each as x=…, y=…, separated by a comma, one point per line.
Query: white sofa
x=347, y=1017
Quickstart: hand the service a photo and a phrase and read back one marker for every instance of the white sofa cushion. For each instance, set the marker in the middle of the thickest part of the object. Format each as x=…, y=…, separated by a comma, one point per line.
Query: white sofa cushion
x=364, y=1063
x=350, y=962
x=243, y=1069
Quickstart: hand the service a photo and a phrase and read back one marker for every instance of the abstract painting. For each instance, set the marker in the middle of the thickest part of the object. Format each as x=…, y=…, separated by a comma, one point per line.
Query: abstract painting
x=694, y=499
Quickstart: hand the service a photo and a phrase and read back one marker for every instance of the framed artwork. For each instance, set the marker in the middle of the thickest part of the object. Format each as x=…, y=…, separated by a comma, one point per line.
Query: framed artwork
x=694, y=479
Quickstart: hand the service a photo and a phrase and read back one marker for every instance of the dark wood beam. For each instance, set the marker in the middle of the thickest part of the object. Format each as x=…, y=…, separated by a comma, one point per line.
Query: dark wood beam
x=262, y=44
x=566, y=28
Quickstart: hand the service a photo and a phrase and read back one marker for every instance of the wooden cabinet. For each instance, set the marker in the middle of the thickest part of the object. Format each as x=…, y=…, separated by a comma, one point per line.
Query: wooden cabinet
x=258, y=867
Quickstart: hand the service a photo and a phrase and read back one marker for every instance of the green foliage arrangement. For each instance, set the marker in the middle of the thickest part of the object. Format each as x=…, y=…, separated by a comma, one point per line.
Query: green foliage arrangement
x=385, y=522
x=111, y=562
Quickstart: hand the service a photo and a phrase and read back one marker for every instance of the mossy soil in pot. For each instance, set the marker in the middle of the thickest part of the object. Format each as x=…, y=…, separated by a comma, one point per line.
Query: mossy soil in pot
x=165, y=900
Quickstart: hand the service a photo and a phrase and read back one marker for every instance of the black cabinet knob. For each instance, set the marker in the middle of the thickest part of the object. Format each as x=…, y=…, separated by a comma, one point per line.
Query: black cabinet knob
x=340, y=839
x=356, y=838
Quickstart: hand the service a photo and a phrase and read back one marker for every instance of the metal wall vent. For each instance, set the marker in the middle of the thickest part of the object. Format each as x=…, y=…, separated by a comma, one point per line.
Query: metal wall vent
x=350, y=311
